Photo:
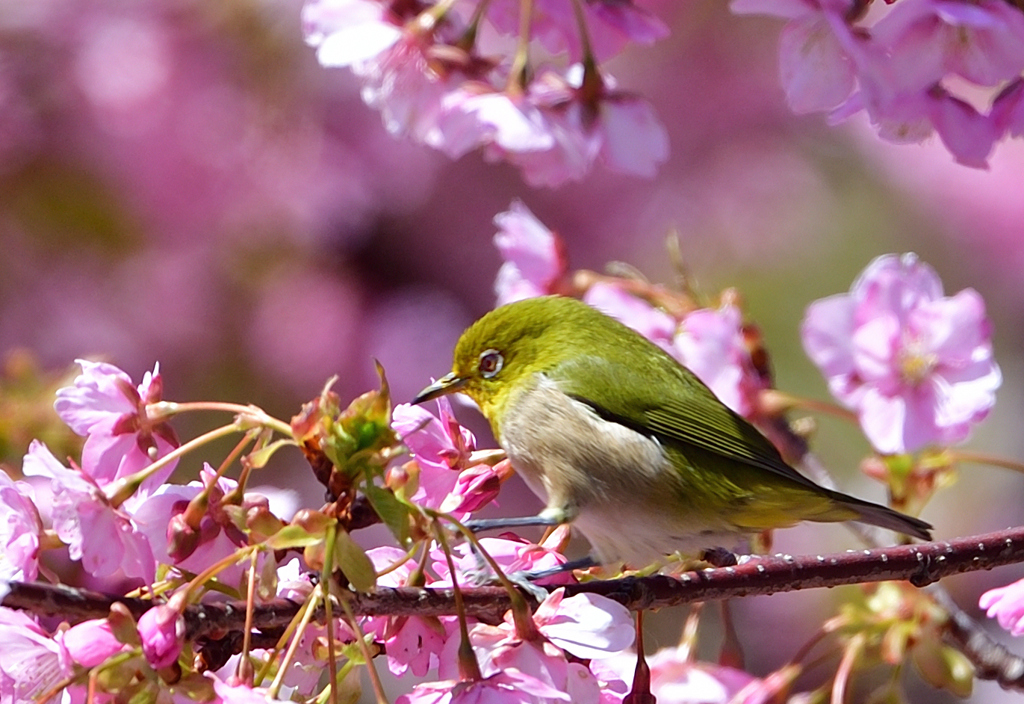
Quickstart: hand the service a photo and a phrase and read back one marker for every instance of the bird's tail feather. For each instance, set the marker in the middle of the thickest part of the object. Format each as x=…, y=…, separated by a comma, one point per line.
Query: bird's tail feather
x=885, y=517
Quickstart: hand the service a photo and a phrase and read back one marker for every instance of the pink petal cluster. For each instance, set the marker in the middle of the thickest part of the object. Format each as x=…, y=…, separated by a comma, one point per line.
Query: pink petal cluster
x=535, y=261
x=160, y=517
x=915, y=365
x=448, y=478
x=413, y=644
x=1006, y=605
x=20, y=527
x=31, y=662
x=900, y=67
x=121, y=437
x=586, y=626
x=417, y=70
x=104, y=537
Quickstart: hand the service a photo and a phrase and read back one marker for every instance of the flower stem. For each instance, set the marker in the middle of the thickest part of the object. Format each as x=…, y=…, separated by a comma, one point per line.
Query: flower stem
x=517, y=77
x=986, y=458
x=118, y=492
x=255, y=414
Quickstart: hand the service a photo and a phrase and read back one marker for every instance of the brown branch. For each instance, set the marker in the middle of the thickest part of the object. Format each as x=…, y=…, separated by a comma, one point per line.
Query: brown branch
x=921, y=564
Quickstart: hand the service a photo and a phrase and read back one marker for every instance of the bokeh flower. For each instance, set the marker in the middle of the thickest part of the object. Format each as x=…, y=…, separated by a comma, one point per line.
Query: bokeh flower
x=534, y=257
x=712, y=344
x=915, y=365
x=1006, y=605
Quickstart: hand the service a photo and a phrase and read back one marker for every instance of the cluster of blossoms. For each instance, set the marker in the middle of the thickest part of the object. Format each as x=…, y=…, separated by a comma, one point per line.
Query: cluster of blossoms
x=446, y=75
x=951, y=67
x=430, y=69
x=894, y=346
x=126, y=525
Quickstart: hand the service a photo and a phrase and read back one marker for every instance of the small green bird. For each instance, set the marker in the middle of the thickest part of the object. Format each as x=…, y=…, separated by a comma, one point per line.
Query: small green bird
x=625, y=443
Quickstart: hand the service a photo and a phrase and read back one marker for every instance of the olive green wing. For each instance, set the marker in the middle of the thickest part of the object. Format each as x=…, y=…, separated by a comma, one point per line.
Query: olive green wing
x=655, y=395
x=661, y=398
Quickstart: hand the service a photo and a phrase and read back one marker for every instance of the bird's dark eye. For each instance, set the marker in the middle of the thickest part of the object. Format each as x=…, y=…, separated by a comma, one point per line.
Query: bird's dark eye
x=490, y=363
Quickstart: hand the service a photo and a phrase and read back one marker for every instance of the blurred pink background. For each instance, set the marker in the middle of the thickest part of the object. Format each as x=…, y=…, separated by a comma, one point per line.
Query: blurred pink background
x=181, y=182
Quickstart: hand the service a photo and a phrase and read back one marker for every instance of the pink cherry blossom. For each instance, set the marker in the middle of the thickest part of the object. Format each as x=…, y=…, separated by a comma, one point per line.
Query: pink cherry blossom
x=816, y=70
x=531, y=129
x=31, y=662
x=412, y=644
x=711, y=343
x=589, y=626
x=926, y=40
x=102, y=536
x=585, y=625
x=449, y=480
x=817, y=50
x=917, y=366
x=1006, y=604
x=898, y=68
x=633, y=140
x=194, y=548
x=121, y=435
x=20, y=527
x=513, y=555
x=475, y=487
x=506, y=687
x=162, y=630
x=535, y=257
x=347, y=32
x=91, y=642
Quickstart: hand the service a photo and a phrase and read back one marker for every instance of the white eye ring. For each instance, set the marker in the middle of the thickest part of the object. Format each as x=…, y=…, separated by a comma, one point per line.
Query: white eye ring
x=490, y=363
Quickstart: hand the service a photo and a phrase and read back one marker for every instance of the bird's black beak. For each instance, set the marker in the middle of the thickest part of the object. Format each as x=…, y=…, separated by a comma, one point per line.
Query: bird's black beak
x=448, y=384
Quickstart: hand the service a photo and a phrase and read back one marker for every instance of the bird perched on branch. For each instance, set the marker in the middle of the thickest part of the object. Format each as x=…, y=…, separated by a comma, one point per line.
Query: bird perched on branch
x=627, y=444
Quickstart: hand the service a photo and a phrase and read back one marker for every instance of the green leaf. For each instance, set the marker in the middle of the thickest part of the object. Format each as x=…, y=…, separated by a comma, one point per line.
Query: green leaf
x=351, y=559
x=293, y=536
x=259, y=458
x=393, y=512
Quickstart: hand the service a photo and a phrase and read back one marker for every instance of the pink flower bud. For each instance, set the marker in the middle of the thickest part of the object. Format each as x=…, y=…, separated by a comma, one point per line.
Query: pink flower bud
x=162, y=630
x=476, y=487
x=91, y=642
x=182, y=539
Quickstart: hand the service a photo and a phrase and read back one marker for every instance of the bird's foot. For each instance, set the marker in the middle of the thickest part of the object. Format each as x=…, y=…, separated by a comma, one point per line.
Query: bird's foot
x=719, y=557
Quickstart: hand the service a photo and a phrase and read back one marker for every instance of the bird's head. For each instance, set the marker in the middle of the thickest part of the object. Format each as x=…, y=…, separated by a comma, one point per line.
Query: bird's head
x=502, y=351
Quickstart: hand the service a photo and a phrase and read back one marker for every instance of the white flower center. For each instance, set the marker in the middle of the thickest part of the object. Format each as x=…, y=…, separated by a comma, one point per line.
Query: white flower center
x=915, y=363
